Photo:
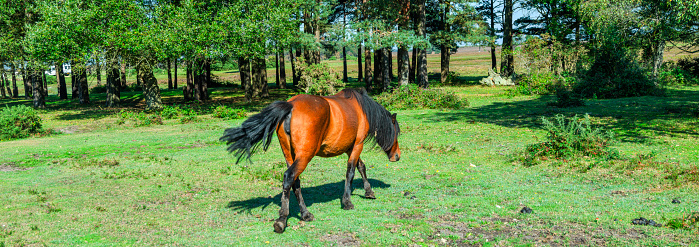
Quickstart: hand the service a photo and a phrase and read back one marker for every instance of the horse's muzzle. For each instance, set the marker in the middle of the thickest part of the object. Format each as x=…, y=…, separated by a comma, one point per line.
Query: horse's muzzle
x=394, y=158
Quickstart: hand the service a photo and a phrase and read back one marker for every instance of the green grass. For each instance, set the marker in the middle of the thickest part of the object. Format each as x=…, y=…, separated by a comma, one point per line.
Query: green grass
x=458, y=181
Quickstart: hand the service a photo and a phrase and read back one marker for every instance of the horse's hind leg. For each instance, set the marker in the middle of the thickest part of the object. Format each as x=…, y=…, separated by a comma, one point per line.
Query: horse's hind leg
x=290, y=177
x=305, y=215
x=368, y=192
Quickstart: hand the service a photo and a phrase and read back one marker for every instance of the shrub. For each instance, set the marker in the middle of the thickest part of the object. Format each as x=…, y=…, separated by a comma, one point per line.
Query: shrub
x=18, y=122
x=170, y=112
x=566, y=98
x=615, y=74
x=679, y=73
x=570, y=137
x=318, y=78
x=229, y=113
x=412, y=97
x=539, y=83
x=691, y=65
x=139, y=118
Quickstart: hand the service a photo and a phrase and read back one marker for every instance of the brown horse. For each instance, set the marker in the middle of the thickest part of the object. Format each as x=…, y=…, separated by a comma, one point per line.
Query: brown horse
x=309, y=126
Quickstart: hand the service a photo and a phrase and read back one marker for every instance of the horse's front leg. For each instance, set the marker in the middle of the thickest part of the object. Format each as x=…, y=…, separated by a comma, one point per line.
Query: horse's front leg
x=368, y=192
x=351, y=164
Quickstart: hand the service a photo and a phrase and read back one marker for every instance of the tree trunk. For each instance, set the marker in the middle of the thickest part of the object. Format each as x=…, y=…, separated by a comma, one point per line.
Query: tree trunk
x=169, y=73
x=189, y=88
x=368, y=76
x=27, y=83
x=15, y=90
x=259, y=78
x=378, y=71
x=123, y=74
x=174, y=80
x=413, y=67
x=422, y=54
x=74, y=82
x=344, y=65
x=62, y=88
x=151, y=91
x=3, y=82
x=197, y=78
x=276, y=70
x=37, y=87
x=386, y=73
x=98, y=72
x=244, y=68
x=658, y=48
x=444, y=62
x=389, y=56
x=83, y=92
x=507, y=65
x=292, y=57
x=206, y=80
x=282, y=71
x=44, y=85
x=493, y=57
x=113, y=83
x=360, y=75
x=403, y=66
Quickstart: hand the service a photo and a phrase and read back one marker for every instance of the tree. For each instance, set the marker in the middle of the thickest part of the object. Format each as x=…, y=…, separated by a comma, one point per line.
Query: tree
x=507, y=64
x=489, y=11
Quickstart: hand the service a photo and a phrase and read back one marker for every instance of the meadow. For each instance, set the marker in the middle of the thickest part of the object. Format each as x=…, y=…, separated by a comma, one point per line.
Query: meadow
x=99, y=181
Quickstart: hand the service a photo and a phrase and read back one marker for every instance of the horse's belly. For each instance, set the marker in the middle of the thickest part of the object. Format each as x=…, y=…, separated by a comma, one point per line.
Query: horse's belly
x=332, y=150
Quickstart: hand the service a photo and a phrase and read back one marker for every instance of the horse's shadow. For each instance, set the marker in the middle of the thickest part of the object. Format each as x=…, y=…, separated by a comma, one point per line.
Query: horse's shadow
x=311, y=195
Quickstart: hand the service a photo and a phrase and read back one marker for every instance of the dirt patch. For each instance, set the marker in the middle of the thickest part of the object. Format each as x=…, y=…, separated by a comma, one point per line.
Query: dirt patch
x=342, y=239
x=501, y=228
x=11, y=167
x=69, y=129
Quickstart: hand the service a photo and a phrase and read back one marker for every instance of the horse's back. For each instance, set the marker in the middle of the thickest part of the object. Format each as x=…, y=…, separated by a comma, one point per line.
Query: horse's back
x=334, y=121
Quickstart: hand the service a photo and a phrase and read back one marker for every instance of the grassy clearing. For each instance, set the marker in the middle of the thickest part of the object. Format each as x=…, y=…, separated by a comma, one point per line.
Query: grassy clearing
x=459, y=181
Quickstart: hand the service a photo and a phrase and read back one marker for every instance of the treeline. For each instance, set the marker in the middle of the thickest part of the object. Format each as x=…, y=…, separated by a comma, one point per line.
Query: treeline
x=35, y=35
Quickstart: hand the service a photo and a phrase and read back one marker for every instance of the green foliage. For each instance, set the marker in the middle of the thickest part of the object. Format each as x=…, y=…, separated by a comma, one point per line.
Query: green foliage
x=538, y=83
x=412, y=97
x=19, y=122
x=183, y=112
x=318, y=79
x=226, y=112
x=138, y=118
x=688, y=222
x=570, y=137
x=683, y=72
x=566, y=98
x=615, y=74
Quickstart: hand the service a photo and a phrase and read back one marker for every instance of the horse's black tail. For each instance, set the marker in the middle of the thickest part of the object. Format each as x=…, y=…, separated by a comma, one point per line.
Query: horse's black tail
x=245, y=140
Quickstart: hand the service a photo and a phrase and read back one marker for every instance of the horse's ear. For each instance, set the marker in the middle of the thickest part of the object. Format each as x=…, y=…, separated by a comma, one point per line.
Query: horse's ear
x=393, y=117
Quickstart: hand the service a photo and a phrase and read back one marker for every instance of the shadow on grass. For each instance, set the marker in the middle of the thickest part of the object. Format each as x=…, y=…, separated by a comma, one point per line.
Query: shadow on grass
x=635, y=119
x=311, y=195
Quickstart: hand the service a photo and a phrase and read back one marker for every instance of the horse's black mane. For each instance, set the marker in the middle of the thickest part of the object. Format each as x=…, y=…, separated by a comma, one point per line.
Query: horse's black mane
x=381, y=127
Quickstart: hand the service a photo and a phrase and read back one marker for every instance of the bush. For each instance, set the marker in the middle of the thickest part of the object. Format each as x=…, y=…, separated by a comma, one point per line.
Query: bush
x=679, y=73
x=170, y=112
x=539, y=83
x=571, y=137
x=412, y=97
x=19, y=122
x=615, y=74
x=229, y=113
x=318, y=79
x=566, y=98
x=138, y=118
x=691, y=65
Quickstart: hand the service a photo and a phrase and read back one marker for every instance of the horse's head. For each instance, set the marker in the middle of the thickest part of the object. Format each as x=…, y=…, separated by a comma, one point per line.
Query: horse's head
x=394, y=152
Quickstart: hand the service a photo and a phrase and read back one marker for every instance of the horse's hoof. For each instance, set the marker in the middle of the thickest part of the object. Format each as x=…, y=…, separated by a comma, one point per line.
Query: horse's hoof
x=307, y=217
x=369, y=195
x=279, y=227
x=348, y=206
